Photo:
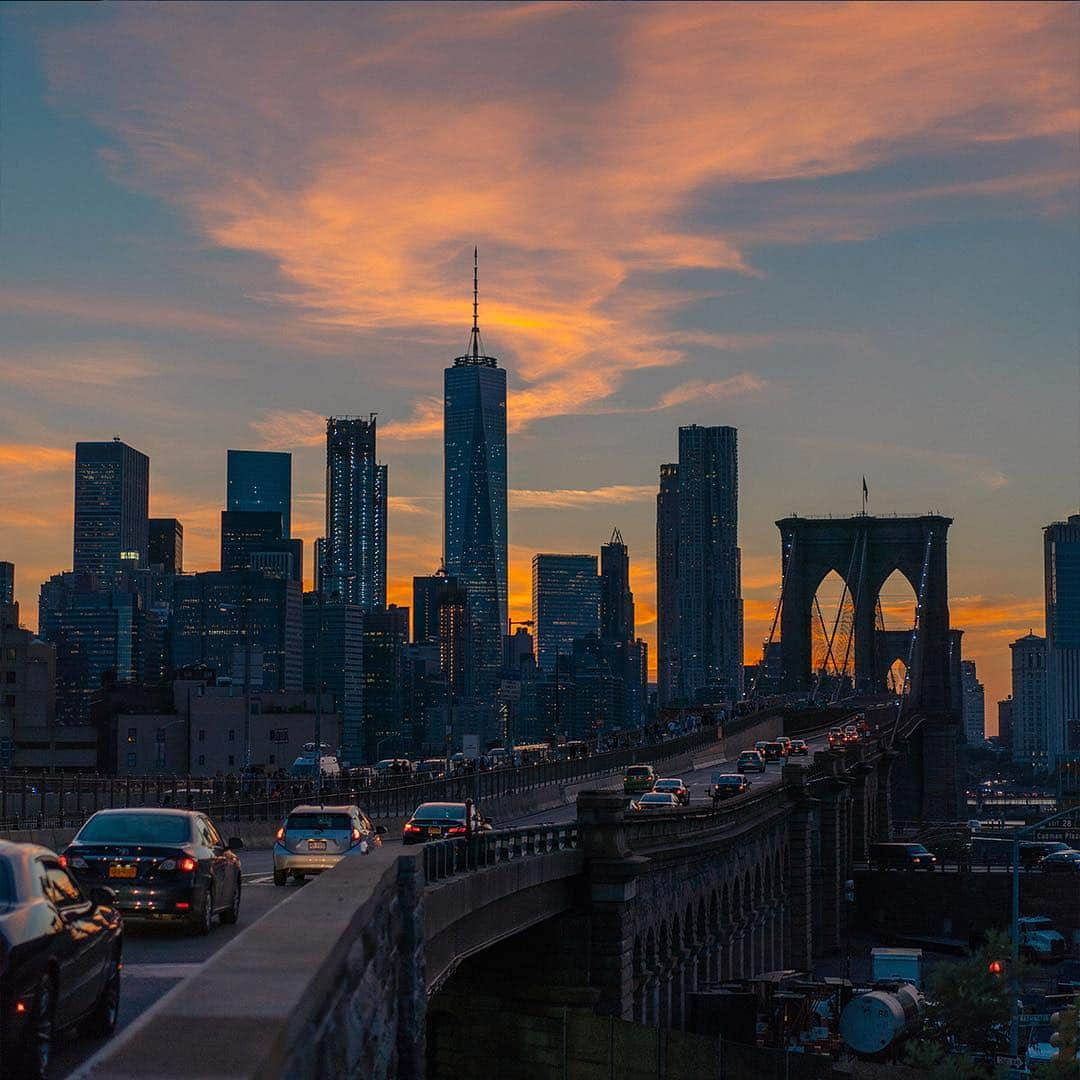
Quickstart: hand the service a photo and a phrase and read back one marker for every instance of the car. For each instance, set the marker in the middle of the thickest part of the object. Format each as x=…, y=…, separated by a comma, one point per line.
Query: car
x=785, y=742
x=751, y=761
x=1058, y=862
x=673, y=786
x=161, y=865
x=656, y=800
x=862, y=726
x=638, y=778
x=774, y=751
x=62, y=951
x=799, y=748
x=760, y=745
x=835, y=737
x=900, y=856
x=728, y=785
x=316, y=838
x=851, y=734
x=443, y=820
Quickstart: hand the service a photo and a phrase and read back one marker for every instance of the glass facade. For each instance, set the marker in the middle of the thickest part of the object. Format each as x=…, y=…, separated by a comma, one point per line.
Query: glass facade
x=354, y=566
x=1061, y=549
x=336, y=630
x=166, y=547
x=475, y=530
x=112, y=507
x=565, y=604
x=262, y=481
x=7, y=583
x=616, y=599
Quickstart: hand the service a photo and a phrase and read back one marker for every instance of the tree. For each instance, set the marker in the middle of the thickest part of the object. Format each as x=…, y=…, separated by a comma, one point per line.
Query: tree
x=967, y=1013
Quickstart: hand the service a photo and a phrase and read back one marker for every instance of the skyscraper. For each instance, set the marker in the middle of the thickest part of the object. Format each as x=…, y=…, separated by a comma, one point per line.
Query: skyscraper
x=356, y=498
x=386, y=636
x=1061, y=551
x=7, y=583
x=565, y=604
x=252, y=540
x=261, y=480
x=1030, y=742
x=616, y=599
x=166, y=547
x=667, y=584
x=112, y=507
x=699, y=574
x=334, y=661
x=427, y=593
x=973, y=702
x=475, y=530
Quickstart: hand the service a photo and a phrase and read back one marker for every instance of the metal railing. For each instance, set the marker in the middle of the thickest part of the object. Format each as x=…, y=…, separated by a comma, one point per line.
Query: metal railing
x=446, y=858
x=648, y=829
x=66, y=801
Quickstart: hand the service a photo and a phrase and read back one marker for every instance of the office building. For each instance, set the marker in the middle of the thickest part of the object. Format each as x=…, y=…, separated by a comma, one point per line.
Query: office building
x=334, y=662
x=455, y=641
x=356, y=505
x=1061, y=550
x=475, y=523
x=973, y=704
x=616, y=599
x=565, y=604
x=27, y=682
x=1005, y=723
x=252, y=540
x=667, y=584
x=7, y=582
x=166, y=545
x=112, y=501
x=1030, y=738
x=428, y=593
x=699, y=574
x=93, y=625
x=261, y=481
x=386, y=635
x=246, y=625
x=319, y=562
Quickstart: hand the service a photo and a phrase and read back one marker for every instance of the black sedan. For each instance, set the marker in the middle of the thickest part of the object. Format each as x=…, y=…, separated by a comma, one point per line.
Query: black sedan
x=1067, y=862
x=728, y=785
x=440, y=820
x=61, y=957
x=161, y=864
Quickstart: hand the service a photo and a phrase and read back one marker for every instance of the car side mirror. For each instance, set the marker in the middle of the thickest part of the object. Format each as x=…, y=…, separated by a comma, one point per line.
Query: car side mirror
x=100, y=896
x=380, y=830
x=235, y=843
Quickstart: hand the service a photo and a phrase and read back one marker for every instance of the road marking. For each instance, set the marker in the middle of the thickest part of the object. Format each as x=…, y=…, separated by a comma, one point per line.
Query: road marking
x=258, y=879
x=161, y=971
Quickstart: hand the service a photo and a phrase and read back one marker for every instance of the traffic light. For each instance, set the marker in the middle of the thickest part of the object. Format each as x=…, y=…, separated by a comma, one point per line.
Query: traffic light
x=1064, y=1036
x=996, y=968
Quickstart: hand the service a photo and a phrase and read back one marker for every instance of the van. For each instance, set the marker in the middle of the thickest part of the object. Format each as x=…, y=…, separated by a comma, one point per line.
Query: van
x=899, y=856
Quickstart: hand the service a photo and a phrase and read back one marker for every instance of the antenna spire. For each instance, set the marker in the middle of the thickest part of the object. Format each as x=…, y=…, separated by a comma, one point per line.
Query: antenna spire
x=475, y=303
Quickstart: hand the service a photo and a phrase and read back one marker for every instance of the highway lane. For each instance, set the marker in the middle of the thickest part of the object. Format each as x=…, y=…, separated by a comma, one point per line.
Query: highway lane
x=156, y=958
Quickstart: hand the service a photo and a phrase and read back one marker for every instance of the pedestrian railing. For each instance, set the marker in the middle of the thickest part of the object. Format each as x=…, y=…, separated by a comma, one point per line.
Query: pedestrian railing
x=446, y=858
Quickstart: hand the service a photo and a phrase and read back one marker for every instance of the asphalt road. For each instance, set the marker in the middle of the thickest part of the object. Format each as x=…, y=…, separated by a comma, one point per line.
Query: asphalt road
x=156, y=958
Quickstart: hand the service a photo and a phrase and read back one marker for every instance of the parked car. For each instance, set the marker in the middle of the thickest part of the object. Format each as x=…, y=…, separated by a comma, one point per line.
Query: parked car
x=751, y=761
x=900, y=856
x=440, y=820
x=728, y=785
x=638, y=778
x=160, y=864
x=61, y=949
x=799, y=748
x=316, y=838
x=656, y=800
x=673, y=786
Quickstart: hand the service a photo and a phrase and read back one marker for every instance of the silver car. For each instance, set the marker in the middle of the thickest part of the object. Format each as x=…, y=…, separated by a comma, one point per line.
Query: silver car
x=317, y=838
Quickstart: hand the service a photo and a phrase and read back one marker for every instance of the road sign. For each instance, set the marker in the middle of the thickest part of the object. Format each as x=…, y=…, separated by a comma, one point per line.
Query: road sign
x=1008, y=1061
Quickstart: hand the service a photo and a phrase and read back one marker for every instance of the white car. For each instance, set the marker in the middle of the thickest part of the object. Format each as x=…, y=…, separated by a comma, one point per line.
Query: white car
x=656, y=800
x=316, y=838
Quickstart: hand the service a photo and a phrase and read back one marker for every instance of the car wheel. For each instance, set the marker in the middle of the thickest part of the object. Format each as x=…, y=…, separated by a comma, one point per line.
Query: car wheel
x=230, y=917
x=102, y=1020
x=204, y=918
x=280, y=876
x=37, y=1045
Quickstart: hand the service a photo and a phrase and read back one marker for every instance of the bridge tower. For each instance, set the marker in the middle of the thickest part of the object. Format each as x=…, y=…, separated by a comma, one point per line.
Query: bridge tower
x=864, y=551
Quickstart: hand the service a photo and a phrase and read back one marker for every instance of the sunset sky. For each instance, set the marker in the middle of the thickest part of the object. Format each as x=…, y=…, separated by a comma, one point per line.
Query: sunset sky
x=848, y=230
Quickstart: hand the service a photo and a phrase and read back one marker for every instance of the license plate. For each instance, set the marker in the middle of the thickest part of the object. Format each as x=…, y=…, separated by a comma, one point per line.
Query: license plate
x=316, y=845
x=434, y=832
x=122, y=871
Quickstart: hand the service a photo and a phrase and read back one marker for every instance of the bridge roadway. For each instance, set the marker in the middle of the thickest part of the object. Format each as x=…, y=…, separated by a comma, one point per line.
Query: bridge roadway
x=156, y=958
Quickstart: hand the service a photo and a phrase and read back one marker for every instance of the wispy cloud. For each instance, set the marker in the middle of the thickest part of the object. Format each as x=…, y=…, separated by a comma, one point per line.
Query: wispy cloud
x=25, y=457
x=572, y=498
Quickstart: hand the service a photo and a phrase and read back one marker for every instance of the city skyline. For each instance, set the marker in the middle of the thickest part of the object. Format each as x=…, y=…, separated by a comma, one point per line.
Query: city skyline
x=872, y=299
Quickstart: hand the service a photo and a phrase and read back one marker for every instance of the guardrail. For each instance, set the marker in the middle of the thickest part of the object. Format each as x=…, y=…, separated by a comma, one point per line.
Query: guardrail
x=445, y=858
x=649, y=828
x=66, y=801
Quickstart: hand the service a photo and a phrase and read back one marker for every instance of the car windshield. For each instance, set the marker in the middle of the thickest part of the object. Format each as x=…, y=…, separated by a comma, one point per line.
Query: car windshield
x=7, y=883
x=749, y=755
x=134, y=828
x=317, y=822
x=639, y=770
x=663, y=785
x=657, y=798
x=440, y=812
x=730, y=781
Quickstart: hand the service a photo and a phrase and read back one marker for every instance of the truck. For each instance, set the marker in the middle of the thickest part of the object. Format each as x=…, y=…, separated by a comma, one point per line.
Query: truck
x=897, y=965
x=1039, y=940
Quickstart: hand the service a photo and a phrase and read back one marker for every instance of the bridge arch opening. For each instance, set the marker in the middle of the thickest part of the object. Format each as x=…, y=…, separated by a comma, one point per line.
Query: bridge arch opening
x=832, y=628
x=896, y=603
x=897, y=678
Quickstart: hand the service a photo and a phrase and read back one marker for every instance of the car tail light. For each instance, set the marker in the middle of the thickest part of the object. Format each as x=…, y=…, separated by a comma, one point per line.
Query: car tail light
x=410, y=827
x=182, y=905
x=280, y=834
x=187, y=865
x=63, y=861
x=356, y=835
x=456, y=830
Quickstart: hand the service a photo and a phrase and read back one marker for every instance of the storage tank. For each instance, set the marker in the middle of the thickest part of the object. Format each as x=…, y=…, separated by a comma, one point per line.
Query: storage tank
x=875, y=1021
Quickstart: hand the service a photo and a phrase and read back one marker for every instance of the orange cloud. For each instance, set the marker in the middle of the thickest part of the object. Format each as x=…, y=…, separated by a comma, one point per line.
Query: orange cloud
x=567, y=498
x=24, y=458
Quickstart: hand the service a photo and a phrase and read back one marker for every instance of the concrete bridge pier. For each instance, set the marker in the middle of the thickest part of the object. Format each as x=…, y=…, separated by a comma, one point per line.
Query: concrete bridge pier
x=883, y=817
x=835, y=862
x=800, y=869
